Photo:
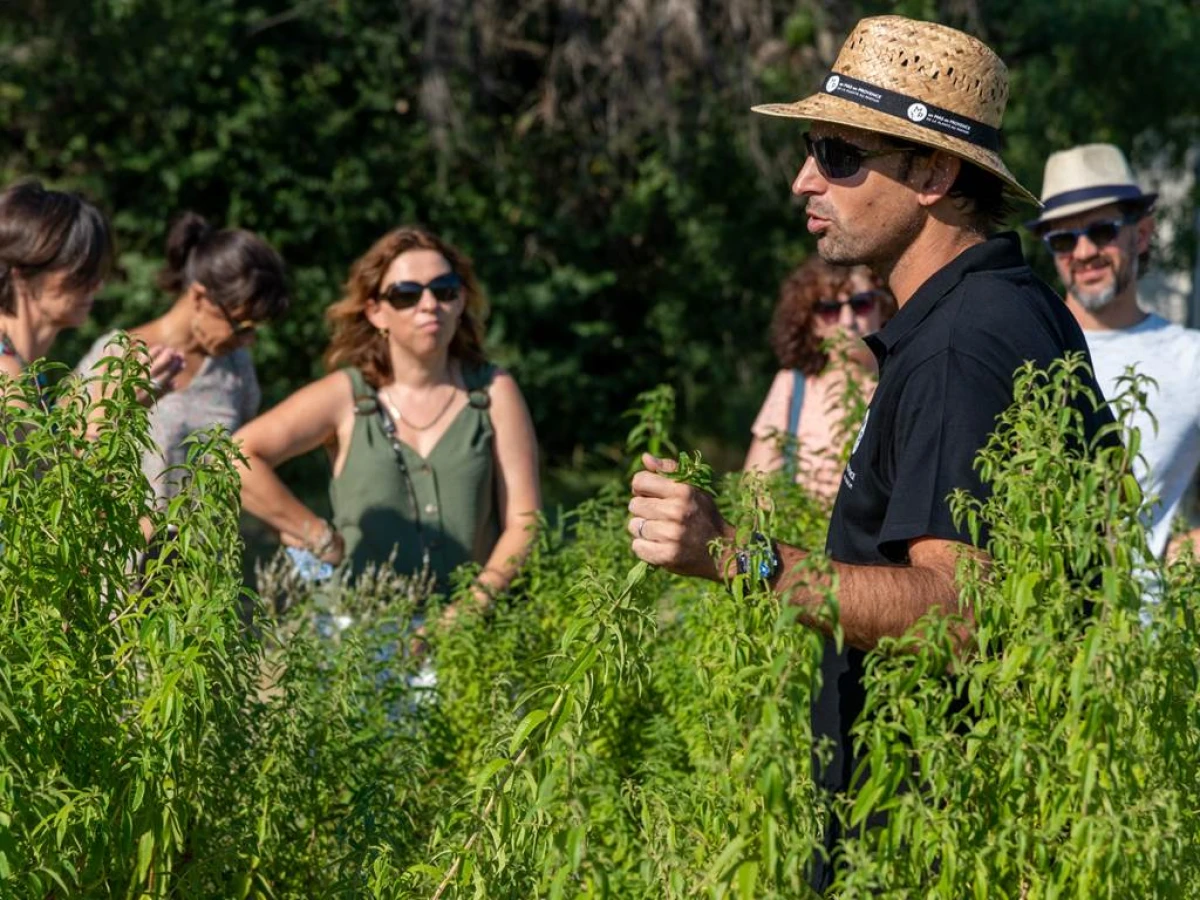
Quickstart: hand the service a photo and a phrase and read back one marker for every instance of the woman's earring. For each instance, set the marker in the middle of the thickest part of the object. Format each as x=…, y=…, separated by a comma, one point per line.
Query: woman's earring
x=382, y=332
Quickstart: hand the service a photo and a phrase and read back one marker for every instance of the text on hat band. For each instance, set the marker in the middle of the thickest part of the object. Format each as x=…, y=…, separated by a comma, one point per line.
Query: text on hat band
x=918, y=112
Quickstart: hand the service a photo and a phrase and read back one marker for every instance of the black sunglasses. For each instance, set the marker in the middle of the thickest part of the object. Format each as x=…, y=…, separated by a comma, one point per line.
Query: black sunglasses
x=240, y=329
x=1101, y=233
x=406, y=294
x=860, y=303
x=837, y=158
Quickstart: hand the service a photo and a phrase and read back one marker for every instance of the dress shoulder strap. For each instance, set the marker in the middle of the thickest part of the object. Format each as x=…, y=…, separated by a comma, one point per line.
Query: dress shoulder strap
x=365, y=400
x=477, y=380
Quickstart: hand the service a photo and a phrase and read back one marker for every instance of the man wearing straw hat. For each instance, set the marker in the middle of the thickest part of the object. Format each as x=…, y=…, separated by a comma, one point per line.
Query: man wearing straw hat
x=903, y=174
x=1096, y=222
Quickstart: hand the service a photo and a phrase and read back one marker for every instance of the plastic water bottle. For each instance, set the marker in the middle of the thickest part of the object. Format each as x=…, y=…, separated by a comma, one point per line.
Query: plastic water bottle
x=308, y=566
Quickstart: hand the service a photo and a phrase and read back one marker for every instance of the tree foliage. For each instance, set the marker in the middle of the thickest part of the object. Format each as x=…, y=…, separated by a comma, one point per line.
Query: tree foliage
x=628, y=215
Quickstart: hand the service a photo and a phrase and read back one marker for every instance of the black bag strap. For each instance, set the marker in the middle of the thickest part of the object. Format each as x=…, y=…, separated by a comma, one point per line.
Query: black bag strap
x=791, y=443
x=366, y=403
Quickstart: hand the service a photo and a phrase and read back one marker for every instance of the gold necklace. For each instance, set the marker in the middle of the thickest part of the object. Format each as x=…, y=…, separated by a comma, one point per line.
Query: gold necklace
x=399, y=416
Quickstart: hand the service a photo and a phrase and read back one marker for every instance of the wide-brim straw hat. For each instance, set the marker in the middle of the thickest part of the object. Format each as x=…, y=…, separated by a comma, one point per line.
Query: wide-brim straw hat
x=1088, y=177
x=921, y=82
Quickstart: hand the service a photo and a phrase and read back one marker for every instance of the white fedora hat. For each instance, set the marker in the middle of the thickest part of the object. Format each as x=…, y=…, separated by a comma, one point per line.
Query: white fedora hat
x=1087, y=177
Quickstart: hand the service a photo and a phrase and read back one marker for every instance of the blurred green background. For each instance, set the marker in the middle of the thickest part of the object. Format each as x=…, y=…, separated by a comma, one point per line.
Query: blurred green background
x=629, y=217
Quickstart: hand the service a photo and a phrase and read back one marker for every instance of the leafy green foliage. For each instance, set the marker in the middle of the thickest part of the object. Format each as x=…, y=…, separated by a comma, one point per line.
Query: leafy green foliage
x=629, y=216
x=123, y=669
x=1048, y=760
x=610, y=731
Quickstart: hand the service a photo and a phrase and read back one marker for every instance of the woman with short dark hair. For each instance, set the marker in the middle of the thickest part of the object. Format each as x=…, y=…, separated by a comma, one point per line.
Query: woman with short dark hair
x=822, y=314
x=55, y=252
x=225, y=283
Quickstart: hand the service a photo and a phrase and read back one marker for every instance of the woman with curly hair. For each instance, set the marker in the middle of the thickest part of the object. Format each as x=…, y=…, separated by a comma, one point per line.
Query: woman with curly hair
x=432, y=448
x=822, y=314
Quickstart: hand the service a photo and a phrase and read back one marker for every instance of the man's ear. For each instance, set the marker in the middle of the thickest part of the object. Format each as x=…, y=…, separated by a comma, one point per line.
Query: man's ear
x=1145, y=232
x=936, y=177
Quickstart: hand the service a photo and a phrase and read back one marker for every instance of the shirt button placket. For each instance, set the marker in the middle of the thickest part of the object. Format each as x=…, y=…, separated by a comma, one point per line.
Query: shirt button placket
x=431, y=517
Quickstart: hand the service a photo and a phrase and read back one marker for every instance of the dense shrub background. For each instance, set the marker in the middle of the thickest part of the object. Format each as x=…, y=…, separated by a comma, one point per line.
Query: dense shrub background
x=162, y=736
x=629, y=216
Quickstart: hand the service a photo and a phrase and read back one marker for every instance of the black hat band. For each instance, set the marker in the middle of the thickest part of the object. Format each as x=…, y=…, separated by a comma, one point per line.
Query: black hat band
x=916, y=112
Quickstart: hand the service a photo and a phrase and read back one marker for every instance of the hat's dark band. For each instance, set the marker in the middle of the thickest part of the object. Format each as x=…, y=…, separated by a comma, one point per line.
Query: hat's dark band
x=912, y=110
x=1114, y=192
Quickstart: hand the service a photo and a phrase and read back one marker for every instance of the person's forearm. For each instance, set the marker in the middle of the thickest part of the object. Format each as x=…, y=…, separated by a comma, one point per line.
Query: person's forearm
x=266, y=497
x=507, y=556
x=763, y=456
x=1179, y=543
x=873, y=601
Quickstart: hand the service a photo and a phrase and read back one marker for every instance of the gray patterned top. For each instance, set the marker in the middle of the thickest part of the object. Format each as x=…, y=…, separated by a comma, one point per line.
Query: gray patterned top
x=223, y=392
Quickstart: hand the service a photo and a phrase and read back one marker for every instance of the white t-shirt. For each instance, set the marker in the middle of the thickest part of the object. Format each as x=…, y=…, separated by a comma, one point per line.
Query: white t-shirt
x=1170, y=355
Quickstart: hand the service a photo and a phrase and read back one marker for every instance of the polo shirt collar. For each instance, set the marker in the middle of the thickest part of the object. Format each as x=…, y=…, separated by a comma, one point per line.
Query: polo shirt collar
x=1000, y=252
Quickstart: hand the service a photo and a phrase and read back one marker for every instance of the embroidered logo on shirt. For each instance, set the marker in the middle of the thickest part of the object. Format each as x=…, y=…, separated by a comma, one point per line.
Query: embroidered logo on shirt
x=850, y=475
x=861, y=431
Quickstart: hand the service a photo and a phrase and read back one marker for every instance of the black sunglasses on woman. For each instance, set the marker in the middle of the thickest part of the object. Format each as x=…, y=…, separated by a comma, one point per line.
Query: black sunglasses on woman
x=407, y=294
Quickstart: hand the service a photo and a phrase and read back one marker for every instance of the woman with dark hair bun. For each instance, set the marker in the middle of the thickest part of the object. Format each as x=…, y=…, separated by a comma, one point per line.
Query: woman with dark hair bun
x=823, y=313
x=225, y=284
x=433, y=452
x=55, y=252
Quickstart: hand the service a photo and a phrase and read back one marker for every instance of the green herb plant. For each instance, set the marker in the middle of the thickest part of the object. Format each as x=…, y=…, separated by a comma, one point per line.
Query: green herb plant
x=608, y=730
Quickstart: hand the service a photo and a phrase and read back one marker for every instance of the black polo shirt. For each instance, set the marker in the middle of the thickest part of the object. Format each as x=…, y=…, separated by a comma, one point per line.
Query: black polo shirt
x=946, y=369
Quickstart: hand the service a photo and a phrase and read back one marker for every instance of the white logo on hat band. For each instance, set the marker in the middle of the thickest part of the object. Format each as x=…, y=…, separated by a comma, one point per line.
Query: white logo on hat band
x=926, y=114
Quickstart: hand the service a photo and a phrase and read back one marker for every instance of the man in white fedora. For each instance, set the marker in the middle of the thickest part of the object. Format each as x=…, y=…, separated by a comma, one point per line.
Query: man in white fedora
x=1097, y=224
x=903, y=175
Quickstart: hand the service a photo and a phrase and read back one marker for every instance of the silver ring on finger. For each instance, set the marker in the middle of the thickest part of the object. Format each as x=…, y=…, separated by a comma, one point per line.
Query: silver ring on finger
x=156, y=388
x=641, y=525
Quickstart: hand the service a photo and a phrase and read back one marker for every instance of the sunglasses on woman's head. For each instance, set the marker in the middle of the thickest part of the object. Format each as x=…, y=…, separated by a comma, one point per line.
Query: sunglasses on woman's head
x=1100, y=233
x=860, y=304
x=837, y=158
x=406, y=294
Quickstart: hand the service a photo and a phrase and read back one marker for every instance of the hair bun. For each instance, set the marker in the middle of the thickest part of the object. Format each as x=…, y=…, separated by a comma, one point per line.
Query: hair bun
x=188, y=232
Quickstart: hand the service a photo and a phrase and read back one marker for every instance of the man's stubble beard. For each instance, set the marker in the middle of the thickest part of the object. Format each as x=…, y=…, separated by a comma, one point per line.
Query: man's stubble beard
x=879, y=255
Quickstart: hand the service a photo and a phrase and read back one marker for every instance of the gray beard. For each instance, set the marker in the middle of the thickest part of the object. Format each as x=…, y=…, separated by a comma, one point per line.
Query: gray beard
x=1094, y=301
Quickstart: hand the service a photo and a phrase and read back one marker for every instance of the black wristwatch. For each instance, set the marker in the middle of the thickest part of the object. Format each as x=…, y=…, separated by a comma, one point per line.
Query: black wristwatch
x=768, y=559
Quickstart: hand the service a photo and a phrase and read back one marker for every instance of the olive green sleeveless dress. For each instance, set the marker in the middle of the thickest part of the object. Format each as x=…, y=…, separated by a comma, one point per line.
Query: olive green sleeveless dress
x=439, y=509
